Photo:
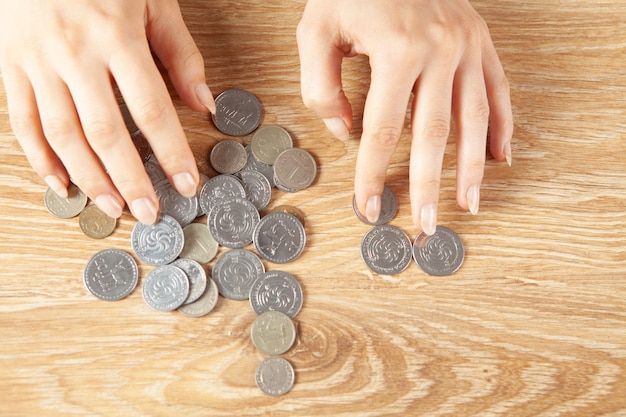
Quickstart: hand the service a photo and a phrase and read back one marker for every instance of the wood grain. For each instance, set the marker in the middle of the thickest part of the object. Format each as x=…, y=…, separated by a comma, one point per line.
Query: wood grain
x=534, y=323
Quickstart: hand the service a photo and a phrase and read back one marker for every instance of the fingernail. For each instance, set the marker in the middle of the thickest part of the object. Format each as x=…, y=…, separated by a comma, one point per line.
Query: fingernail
x=428, y=219
x=109, y=205
x=205, y=97
x=57, y=185
x=507, y=153
x=185, y=184
x=144, y=210
x=372, y=208
x=337, y=127
x=473, y=198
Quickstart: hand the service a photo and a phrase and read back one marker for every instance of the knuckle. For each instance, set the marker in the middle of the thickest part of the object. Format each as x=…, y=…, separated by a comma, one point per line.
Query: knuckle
x=22, y=125
x=101, y=133
x=436, y=130
x=57, y=128
x=478, y=112
x=385, y=136
x=152, y=111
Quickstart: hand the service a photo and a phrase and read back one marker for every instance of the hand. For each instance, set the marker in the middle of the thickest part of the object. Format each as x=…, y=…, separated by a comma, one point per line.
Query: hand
x=441, y=52
x=58, y=60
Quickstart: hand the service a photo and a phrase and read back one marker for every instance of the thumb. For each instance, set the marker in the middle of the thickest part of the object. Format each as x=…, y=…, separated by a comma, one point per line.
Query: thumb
x=320, y=77
x=171, y=41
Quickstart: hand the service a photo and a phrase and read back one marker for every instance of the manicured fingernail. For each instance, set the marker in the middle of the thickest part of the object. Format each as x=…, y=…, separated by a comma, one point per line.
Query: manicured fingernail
x=428, y=219
x=57, y=185
x=507, y=153
x=205, y=97
x=473, y=198
x=337, y=127
x=185, y=184
x=109, y=205
x=372, y=208
x=144, y=210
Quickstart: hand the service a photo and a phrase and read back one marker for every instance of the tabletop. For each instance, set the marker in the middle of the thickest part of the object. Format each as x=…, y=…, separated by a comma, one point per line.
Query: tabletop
x=532, y=324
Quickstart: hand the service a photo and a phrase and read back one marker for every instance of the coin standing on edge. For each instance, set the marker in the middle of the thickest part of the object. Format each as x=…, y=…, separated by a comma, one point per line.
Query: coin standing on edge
x=386, y=250
x=111, y=275
x=275, y=376
x=440, y=254
x=273, y=333
x=239, y=112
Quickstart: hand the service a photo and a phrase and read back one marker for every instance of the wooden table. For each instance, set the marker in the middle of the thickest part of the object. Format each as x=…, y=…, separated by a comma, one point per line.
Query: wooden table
x=533, y=324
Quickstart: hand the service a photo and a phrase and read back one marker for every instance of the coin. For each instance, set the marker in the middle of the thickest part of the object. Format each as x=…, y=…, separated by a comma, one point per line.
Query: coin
x=65, y=208
x=154, y=171
x=218, y=189
x=196, y=275
x=291, y=210
x=183, y=209
x=279, y=237
x=228, y=157
x=165, y=288
x=94, y=223
x=276, y=291
x=440, y=254
x=386, y=250
x=275, y=376
x=258, y=188
x=235, y=271
x=232, y=222
x=238, y=112
x=199, y=243
x=139, y=140
x=388, y=208
x=273, y=333
x=268, y=142
x=160, y=243
x=254, y=164
x=294, y=169
x=111, y=274
x=203, y=305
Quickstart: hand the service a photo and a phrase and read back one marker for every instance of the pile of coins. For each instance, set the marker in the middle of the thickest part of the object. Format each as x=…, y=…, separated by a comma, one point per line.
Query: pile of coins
x=387, y=250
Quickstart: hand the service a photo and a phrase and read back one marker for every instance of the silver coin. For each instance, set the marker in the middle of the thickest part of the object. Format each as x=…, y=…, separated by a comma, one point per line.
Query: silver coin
x=228, y=157
x=239, y=112
x=276, y=291
x=196, y=275
x=235, y=271
x=160, y=243
x=165, y=288
x=183, y=209
x=285, y=208
x=386, y=250
x=273, y=333
x=275, y=376
x=203, y=305
x=268, y=142
x=199, y=243
x=111, y=274
x=295, y=169
x=232, y=222
x=203, y=180
x=440, y=254
x=258, y=188
x=254, y=164
x=218, y=189
x=139, y=140
x=131, y=126
x=66, y=208
x=388, y=208
x=154, y=171
x=279, y=237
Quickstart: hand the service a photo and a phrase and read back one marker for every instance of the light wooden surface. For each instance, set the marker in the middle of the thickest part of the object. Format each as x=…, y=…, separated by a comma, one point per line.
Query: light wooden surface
x=534, y=324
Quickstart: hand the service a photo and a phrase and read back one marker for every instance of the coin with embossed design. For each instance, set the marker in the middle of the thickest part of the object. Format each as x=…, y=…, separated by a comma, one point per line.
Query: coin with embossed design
x=276, y=291
x=239, y=112
x=218, y=189
x=196, y=275
x=165, y=288
x=111, y=274
x=235, y=271
x=228, y=157
x=285, y=208
x=232, y=222
x=183, y=209
x=386, y=250
x=66, y=208
x=203, y=305
x=268, y=142
x=258, y=188
x=254, y=164
x=279, y=237
x=294, y=169
x=388, y=208
x=275, y=376
x=440, y=254
x=96, y=224
x=159, y=243
x=273, y=333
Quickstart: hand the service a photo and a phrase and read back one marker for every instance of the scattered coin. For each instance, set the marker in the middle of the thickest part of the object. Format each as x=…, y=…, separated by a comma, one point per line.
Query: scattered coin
x=275, y=376
x=273, y=333
x=228, y=157
x=199, y=243
x=165, y=288
x=388, y=208
x=111, y=274
x=279, y=237
x=386, y=250
x=154, y=171
x=291, y=210
x=258, y=188
x=203, y=305
x=254, y=164
x=235, y=271
x=268, y=142
x=239, y=112
x=440, y=254
x=232, y=222
x=294, y=169
x=183, y=209
x=139, y=140
x=196, y=275
x=160, y=243
x=218, y=189
x=94, y=223
x=66, y=208
x=276, y=291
